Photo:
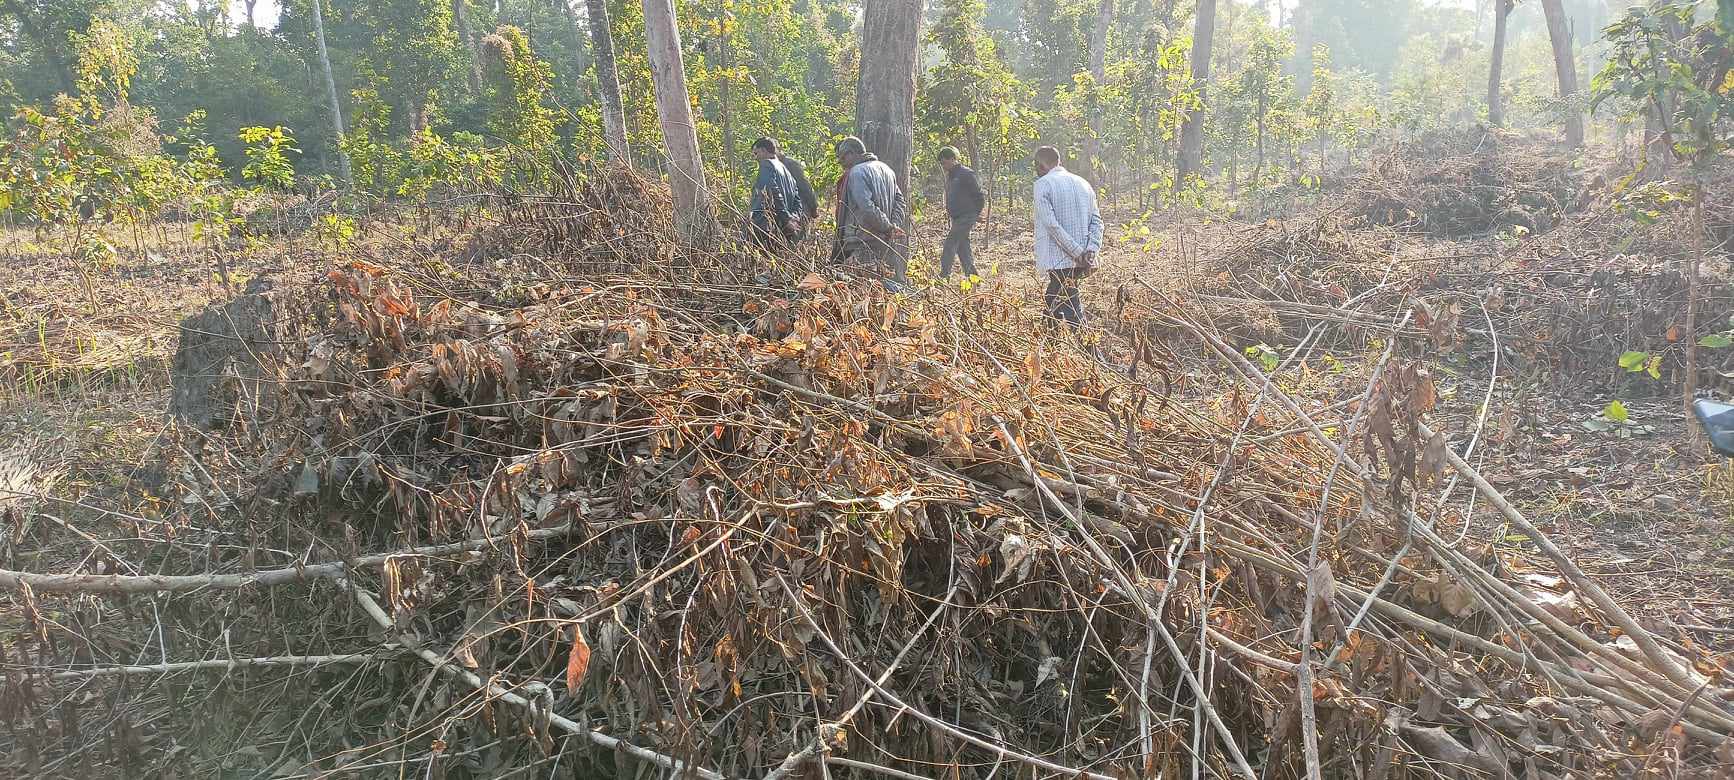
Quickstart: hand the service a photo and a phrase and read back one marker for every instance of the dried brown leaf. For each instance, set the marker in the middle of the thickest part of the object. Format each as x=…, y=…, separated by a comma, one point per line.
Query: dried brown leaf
x=577, y=660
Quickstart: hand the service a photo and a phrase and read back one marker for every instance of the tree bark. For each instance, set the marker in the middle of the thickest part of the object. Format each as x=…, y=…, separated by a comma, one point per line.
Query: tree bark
x=1565, y=67
x=335, y=107
x=1258, y=164
x=1191, y=157
x=692, y=208
x=1496, y=74
x=1099, y=73
x=466, y=34
x=608, y=83
x=725, y=60
x=885, y=95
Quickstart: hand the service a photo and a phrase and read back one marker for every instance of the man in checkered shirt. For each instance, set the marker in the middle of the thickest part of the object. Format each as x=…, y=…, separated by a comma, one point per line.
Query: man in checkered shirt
x=1068, y=234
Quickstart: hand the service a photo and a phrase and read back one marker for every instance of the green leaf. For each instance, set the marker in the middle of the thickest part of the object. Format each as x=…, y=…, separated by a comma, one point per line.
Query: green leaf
x=1616, y=411
x=1716, y=341
x=1634, y=361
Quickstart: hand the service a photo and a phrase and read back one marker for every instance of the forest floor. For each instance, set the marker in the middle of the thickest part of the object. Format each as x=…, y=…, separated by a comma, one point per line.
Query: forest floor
x=1642, y=507
x=1638, y=504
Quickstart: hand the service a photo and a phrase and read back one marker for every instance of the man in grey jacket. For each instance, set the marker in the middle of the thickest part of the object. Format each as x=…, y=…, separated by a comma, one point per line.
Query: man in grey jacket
x=872, y=215
x=965, y=203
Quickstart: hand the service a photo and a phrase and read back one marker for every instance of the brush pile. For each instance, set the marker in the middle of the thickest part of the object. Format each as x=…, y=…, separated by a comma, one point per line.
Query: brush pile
x=1456, y=184
x=1562, y=306
x=560, y=517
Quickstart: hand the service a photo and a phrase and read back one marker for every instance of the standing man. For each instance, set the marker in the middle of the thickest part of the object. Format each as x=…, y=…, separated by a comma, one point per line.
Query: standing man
x=776, y=202
x=1068, y=234
x=965, y=203
x=804, y=187
x=873, y=214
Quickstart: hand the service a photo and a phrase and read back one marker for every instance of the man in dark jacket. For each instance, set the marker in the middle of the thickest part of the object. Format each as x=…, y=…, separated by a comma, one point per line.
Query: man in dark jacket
x=965, y=203
x=778, y=215
x=873, y=215
x=809, y=198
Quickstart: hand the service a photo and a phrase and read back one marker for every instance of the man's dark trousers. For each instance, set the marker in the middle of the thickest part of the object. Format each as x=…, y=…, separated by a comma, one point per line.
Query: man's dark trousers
x=1063, y=303
x=957, y=246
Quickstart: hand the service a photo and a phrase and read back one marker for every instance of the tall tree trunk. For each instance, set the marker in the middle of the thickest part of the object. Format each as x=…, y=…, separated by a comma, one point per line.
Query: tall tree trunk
x=727, y=62
x=608, y=83
x=1496, y=73
x=1099, y=73
x=330, y=91
x=972, y=146
x=1565, y=66
x=1658, y=158
x=885, y=95
x=466, y=34
x=249, y=7
x=692, y=207
x=1191, y=157
x=1258, y=161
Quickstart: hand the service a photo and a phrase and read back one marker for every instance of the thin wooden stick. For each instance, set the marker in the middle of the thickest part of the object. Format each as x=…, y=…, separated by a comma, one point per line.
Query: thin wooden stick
x=175, y=583
x=225, y=664
x=1659, y=658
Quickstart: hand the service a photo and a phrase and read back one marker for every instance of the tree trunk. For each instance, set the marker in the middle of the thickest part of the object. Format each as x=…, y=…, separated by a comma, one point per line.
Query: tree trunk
x=1658, y=158
x=885, y=95
x=330, y=91
x=608, y=83
x=1191, y=158
x=1098, y=72
x=972, y=146
x=461, y=21
x=1496, y=75
x=692, y=208
x=1691, y=339
x=1565, y=67
x=726, y=61
x=1258, y=160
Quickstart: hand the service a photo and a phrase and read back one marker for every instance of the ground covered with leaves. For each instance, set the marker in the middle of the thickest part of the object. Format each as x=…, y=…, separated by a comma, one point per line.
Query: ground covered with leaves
x=1324, y=493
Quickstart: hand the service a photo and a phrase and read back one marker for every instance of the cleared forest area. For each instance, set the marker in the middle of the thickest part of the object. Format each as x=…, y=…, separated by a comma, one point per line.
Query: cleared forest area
x=507, y=453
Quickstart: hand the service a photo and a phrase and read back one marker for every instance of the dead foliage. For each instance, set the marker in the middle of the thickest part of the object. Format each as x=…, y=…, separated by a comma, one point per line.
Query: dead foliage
x=536, y=512
x=1458, y=184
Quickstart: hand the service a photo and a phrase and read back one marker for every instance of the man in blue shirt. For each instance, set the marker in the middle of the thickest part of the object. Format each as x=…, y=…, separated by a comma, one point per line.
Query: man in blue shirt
x=776, y=199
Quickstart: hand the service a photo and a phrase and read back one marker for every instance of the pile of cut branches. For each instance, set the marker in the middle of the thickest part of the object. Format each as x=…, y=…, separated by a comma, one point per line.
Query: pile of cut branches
x=591, y=521
x=1459, y=184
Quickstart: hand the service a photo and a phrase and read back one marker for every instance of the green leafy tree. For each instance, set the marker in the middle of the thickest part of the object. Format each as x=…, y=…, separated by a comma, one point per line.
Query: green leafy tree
x=268, y=151
x=1668, y=63
x=1265, y=88
x=519, y=87
x=413, y=55
x=971, y=98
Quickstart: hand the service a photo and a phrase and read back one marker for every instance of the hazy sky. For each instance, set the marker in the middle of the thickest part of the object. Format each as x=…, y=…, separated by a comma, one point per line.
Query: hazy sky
x=264, y=12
